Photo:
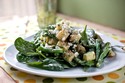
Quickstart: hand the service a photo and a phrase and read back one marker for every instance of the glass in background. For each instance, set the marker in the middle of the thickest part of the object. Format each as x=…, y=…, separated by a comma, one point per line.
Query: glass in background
x=46, y=12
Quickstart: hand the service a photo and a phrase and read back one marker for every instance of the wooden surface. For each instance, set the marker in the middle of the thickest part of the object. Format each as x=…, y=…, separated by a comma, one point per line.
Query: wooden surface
x=95, y=25
x=5, y=77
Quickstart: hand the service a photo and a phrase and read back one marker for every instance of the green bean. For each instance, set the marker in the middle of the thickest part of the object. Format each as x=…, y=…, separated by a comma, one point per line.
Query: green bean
x=98, y=48
x=90, y=63
x=79, y=61
x=49, y=50
x=57, y=51
x=106, y=49
x=37, y=50
x=35, y=64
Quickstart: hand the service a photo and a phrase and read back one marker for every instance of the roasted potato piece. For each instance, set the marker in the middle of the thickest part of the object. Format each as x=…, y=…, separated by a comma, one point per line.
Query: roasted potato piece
x=62, y=35
x=69, y=56
x=45, y=39
x=111, y=53
x=64, y=45
x=89, y=56
x=58, y=27
x=75, y=38
x=52, y=41
x=80, y=49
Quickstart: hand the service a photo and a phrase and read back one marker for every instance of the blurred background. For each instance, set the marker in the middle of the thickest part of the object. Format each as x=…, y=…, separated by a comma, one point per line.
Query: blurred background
x=106, y=12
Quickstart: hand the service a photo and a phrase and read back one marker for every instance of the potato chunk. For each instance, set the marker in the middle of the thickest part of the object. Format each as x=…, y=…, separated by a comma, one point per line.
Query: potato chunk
x=69, y=56
x=75, y=38
x=58, y=27
x=81, y=49
x=111, y=53
x=62, y=35
x=44, y=39
x=89, y=56
x=64, y=45
x=52, y=41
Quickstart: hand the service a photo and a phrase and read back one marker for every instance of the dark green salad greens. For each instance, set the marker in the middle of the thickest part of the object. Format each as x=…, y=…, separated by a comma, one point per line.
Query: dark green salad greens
x=60, y=47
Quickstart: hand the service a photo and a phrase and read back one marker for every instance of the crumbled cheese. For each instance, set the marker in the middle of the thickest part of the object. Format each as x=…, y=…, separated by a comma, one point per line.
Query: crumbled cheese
x=48, y=46
x=74, y=46
x=63, y=39
x=52, y=31
x=79, y=36
x=76, y=54
x=56, y=31
x=70, y=44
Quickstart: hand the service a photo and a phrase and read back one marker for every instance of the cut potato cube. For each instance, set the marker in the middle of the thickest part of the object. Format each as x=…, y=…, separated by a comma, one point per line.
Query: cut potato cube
x=75, y=32
x=81, y=49
x=69, y=56
x=52, y=41
x=41, y=37
x=89, y=56
x=62, y=35
x=64, y=45
x=111, y=53
x=75, y=38
x=58, y=27
x=44, y=39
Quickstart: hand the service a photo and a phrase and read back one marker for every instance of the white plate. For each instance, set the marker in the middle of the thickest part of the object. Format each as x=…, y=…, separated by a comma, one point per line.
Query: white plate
x=110, y=64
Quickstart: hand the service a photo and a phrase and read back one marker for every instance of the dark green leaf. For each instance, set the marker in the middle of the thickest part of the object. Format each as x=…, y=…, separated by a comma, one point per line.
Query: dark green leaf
x=51, y=64
x=84, y=38
x=24, y=47
x=24, y=59
x=91, y=33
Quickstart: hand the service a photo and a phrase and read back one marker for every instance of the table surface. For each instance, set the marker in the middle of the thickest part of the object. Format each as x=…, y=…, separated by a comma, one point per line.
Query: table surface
x=11, y=29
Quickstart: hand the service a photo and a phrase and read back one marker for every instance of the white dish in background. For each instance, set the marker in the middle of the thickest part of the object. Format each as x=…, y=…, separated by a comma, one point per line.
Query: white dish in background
x=110, y=64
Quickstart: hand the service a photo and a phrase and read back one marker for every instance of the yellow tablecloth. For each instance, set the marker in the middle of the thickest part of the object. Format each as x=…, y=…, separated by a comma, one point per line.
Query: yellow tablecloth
x=10, y=30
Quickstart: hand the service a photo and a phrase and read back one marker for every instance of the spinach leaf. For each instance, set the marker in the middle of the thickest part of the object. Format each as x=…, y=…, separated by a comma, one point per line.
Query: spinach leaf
x=47, y=33
x=51, y=64
x=51, y=27
x=25, y=47
x=24, y=59
x=91, y=41
x=84, y=38
x=91, y=33
x=47, y=64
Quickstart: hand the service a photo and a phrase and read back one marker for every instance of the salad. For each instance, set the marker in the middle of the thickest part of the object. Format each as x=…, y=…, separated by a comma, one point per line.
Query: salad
x=62, y=46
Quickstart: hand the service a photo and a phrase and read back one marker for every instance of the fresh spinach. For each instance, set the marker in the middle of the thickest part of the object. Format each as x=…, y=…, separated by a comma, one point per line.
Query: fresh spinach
x=84, y=38
x=25, y=47
x=91, y=33
x=51, y=64
x=25, y=59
